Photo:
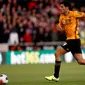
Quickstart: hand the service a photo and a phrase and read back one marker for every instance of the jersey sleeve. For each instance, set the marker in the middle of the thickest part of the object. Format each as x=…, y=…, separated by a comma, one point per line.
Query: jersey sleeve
x=60, y=21
x=78, y=14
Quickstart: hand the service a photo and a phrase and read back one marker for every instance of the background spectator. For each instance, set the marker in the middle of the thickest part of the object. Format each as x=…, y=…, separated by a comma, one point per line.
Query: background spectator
x=35, y=20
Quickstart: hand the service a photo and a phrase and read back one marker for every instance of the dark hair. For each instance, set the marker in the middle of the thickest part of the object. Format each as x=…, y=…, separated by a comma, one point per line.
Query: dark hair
x=66, y=4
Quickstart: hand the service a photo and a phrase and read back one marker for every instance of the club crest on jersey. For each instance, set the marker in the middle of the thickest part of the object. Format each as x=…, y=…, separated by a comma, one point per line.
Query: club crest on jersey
x=65, y=22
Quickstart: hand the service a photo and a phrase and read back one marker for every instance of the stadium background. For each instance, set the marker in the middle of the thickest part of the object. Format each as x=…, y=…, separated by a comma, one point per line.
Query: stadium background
x=28, y=39
x=28, y=28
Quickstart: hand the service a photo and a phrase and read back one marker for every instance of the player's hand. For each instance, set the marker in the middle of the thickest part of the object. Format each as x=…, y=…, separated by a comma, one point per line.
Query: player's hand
x=60, y=28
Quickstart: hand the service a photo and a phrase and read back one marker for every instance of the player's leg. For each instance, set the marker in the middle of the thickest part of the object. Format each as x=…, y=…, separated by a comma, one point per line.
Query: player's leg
x=59, y=52
x=79, y=58
x=75, y=47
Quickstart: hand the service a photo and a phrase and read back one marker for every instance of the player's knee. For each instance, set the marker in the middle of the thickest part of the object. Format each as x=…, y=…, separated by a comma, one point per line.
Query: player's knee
x=57, y=55
x=57, y=58
x=81, y=62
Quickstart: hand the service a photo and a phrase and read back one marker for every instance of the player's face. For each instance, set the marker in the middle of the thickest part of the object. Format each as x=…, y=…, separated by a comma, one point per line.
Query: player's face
x=64, y=9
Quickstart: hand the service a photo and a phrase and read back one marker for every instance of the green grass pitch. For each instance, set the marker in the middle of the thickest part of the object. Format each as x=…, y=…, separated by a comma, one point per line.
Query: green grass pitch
x=33, y=74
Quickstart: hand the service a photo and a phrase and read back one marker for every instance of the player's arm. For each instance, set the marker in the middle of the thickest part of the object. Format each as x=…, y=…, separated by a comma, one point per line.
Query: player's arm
x=79, y=14
x=59, y=26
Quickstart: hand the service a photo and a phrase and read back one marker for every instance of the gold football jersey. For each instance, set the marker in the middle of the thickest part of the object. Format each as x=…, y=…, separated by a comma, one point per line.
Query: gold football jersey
x=69, y=23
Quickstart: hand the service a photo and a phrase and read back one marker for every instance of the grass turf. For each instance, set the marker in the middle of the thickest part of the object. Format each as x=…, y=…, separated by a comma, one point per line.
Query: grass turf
x=33, y=74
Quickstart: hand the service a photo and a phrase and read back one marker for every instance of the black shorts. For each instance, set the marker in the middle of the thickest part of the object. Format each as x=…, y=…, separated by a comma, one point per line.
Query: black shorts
x=73, y=45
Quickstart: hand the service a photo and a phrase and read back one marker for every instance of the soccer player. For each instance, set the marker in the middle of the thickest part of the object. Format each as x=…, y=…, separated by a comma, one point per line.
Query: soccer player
x=68, y=22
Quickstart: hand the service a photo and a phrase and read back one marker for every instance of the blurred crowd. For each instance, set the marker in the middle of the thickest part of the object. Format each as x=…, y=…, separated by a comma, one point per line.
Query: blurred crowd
x=25, y=21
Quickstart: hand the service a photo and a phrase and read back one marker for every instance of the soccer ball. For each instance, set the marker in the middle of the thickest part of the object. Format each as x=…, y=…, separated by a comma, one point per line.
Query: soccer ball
x=3, y=79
